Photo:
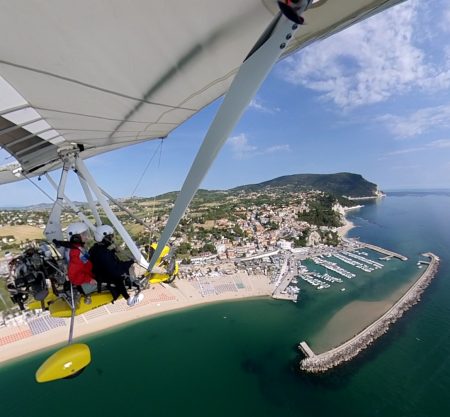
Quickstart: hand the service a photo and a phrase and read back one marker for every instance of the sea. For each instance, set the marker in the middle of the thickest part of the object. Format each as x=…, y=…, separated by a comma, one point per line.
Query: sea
x=240, y=358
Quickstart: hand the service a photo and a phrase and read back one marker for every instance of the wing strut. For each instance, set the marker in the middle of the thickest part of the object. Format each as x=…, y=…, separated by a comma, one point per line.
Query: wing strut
x=76, y=210
x=53, y=229
x=81, y=169
x=122, y=207
x=90, y=200
x=244, y=86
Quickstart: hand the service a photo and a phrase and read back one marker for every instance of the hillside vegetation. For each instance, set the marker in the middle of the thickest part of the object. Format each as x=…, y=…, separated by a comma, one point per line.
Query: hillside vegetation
x=340, y=184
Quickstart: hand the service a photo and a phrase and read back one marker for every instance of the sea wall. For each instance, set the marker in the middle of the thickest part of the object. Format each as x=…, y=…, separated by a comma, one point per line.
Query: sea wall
x=351, y=348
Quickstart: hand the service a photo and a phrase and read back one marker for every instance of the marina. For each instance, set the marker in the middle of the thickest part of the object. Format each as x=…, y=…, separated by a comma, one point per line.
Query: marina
x=292, y=266
x=323, y=362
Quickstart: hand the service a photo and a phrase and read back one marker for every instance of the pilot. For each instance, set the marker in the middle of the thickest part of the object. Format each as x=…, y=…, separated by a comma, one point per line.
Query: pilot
x=107, y=267
x=80, y=267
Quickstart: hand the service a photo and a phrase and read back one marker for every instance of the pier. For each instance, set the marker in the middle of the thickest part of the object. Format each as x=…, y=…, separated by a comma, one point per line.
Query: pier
x=387, y=252
x=304, y=347
x=281, y=285
x=351, y=348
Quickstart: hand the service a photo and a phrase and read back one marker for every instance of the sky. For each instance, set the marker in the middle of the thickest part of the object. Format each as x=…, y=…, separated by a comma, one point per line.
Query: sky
x=373, y=100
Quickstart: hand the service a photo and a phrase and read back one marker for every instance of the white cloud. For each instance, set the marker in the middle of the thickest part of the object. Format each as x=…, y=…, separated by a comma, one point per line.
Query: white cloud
x=242, y=149
x=439, y=144
x=403, y=168
x=369, y=62
x=444, y=23
x=404, y=151
x=278, y=148
x=436, y=144
x=418, y=122
x=240, y=146
x=257, y=104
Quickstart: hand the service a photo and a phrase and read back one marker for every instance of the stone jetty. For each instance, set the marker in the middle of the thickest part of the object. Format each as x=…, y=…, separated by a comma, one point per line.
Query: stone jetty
x=348, y=350
x=384, y=251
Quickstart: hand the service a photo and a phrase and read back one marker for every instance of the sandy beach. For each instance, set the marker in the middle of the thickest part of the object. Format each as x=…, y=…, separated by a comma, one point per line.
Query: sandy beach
x=45, y=332
x=354, y=317
x=343, y=230
x=18, y=341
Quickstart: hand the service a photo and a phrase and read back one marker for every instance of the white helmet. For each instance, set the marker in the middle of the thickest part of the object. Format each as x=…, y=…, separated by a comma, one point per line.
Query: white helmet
x=102, y=231
x=76, y=229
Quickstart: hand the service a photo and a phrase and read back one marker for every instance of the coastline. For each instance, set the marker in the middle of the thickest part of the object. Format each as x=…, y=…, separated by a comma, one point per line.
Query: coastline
x=184, y=295
x=343, y=230
x=18, y=342
x=171, y=300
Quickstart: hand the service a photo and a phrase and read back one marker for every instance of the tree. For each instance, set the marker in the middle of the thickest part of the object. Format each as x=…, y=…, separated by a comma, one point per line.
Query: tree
x=184, y=247
x=273, y=225
x=209, y=247
x=321, y=212
x=300, y=241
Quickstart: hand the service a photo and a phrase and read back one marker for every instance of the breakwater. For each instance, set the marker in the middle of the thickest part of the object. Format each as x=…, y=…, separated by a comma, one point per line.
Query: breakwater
x=348, y=350
x=385, y=251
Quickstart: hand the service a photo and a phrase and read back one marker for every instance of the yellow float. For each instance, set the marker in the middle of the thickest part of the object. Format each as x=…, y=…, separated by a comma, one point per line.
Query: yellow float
x=61, y=307
x=67, y=362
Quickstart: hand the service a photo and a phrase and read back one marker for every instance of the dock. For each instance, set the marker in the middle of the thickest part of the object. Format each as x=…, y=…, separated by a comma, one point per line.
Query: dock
x=282, y=286
x=284, y=279
x=387, y=252
x=304, y=347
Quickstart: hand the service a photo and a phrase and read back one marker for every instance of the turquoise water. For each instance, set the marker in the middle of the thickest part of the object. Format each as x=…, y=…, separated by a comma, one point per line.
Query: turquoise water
x=240, y=358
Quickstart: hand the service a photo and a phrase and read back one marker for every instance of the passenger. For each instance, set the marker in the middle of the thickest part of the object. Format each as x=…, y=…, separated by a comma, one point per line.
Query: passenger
x=80, y=267
x=107, y=267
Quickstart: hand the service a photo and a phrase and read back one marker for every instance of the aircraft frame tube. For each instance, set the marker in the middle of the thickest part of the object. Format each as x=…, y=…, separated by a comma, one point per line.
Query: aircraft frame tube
x=250, y=76
x=90, y=200
x=78, y=212
x=53, y=228
x=110, y=214
x=122, y=207
x=72, y=317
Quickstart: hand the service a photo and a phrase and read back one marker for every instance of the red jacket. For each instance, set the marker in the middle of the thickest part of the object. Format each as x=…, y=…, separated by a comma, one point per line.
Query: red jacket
x=80, y=267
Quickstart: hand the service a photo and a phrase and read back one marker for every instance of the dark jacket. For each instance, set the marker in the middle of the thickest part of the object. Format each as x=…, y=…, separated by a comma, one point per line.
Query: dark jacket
x=107, y=267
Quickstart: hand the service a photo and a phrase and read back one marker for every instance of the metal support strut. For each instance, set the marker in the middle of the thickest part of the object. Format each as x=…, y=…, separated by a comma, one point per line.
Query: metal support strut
x=53, y=229
x=90, y=200
x=81, y=167
x=250, y=76
x=72, y=316
x=69, y=202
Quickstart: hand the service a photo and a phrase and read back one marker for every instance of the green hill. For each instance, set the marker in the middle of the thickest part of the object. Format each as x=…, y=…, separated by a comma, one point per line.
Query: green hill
x=340, y=184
